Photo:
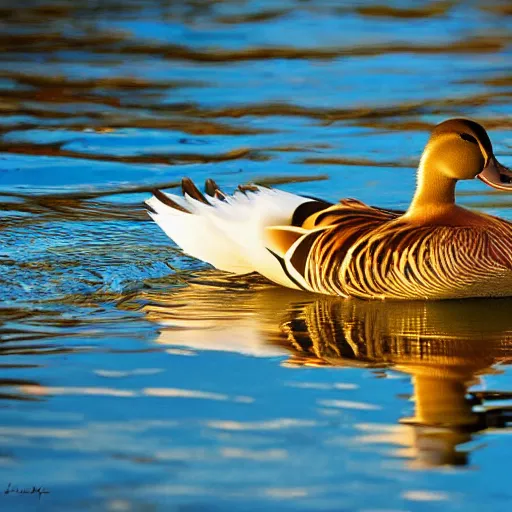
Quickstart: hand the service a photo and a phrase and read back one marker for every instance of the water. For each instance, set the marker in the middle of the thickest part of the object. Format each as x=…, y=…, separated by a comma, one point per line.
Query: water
x=135, y=378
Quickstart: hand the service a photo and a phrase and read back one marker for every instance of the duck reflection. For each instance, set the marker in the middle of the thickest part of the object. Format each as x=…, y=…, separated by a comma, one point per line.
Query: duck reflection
x=445, y=346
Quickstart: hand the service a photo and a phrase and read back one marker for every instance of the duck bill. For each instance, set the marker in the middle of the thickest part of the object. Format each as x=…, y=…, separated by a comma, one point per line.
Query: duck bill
x=496, y=175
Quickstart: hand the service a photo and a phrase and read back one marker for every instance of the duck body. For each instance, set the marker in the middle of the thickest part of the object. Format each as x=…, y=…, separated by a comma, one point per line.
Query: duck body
x=373, y=253
x=435, y=250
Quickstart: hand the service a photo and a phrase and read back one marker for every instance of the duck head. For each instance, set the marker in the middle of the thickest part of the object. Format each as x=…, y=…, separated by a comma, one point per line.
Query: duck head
x=460, y=149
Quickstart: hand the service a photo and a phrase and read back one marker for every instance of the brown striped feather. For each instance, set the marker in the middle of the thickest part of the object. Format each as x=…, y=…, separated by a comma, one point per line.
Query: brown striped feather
x=279, y=239
x=247, y=188
x=211, y=188
x=189, y=188
x=370, y=253
x=165, y=199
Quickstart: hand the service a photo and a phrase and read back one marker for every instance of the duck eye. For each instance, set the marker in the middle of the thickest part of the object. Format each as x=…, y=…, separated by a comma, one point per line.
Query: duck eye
x=468, y=137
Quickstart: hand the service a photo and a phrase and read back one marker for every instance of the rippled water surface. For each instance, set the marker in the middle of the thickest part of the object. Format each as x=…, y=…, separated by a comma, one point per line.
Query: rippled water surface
x=135, y=378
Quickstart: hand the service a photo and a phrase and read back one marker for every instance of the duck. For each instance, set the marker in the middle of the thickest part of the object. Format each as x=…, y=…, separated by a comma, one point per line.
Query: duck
x=434, y=250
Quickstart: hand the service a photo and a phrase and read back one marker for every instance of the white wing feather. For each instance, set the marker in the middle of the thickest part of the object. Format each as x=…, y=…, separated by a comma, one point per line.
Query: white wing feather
x=230, y=234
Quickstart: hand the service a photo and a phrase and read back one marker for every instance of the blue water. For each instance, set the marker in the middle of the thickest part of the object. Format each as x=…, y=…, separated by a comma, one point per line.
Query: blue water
x=135, y=378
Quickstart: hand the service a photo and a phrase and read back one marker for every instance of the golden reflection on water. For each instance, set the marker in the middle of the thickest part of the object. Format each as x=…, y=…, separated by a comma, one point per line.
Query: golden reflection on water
x=446, y=347
x=130, y=99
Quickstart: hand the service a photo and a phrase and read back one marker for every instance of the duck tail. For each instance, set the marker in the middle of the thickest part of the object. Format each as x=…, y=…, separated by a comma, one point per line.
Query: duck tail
x=189, y=222
x=227, y=231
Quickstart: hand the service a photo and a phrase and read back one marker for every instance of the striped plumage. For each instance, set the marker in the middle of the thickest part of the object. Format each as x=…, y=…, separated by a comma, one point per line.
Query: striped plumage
x=429, y=335
x=370, y=253
x=435, y=250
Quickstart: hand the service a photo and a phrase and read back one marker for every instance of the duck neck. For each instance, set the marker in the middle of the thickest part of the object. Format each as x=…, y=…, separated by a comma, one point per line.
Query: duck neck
x=433, y=190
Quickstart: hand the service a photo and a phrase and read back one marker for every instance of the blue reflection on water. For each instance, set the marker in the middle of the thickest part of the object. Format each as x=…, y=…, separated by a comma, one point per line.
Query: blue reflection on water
x=123, y=389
